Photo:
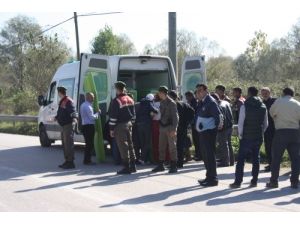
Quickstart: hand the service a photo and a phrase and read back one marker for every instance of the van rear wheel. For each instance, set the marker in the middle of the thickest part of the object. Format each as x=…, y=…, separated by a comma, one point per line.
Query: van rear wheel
x=44, y=140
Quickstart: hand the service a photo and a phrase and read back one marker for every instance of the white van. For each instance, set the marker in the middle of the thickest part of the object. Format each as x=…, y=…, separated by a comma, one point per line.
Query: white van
x=142, y=75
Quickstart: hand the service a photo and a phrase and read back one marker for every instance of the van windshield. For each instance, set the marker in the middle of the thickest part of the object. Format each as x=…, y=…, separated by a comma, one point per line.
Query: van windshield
x=140, y=83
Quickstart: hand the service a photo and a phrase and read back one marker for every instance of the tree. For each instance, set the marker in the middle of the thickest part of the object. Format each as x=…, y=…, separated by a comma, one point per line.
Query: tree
x=188, y=44
x=108, y=43
x=28, y=62
x=15, y=39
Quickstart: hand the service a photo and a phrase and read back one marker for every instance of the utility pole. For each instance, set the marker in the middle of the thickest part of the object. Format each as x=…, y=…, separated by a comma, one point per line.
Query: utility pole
x=172, y=40
x=77, y=35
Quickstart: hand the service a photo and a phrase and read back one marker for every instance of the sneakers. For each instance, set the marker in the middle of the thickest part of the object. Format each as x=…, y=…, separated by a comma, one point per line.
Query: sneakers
x=235, y=185
x=67, y=165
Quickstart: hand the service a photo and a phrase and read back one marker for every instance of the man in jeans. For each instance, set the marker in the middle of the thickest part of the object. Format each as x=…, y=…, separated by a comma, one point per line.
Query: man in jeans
x=286, y=114
x=253, y=121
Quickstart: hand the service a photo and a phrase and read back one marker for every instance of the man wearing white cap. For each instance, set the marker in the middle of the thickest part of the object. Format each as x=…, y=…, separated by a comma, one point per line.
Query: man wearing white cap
x=143, y=121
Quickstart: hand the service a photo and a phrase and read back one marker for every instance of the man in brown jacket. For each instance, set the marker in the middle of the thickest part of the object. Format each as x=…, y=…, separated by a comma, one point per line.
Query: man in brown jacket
x=167, y=130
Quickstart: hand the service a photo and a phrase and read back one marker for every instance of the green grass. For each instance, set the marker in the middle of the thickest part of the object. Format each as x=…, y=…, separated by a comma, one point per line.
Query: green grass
x=28, y=128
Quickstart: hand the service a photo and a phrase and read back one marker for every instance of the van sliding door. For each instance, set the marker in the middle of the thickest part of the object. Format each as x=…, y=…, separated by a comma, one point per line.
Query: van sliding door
x=98, y=67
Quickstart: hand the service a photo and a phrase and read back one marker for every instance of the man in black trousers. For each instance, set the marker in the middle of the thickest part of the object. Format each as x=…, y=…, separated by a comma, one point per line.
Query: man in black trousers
x=269, y=133
x=208, y=122
x=88, y=118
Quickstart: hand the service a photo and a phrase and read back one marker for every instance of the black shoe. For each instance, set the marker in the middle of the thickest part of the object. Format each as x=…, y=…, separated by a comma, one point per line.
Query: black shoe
x=235, y=185
x=253, y=184
x=124, y=170
x=179, y=164
x=209, y=183
x=173, y=167
x=68, y=165
x=272, y=185
x=294, y=185
x=200, y=181
x=267, y=168
x=159, y=168
x=132, y=167
x=197, y=159
x=62, y=165
x=221, y=164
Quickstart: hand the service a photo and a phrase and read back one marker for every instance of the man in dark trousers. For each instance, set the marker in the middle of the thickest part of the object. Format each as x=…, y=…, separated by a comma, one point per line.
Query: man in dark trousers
x=224, y=135
x=192, y=101
x=269, y=134
x=186, y=116
x=167, y=130
x=88, y=118
x=121, y=115
x=208, y=122
x=66, y=118
x=143, y=121
x=286, y=114
x=253, y=121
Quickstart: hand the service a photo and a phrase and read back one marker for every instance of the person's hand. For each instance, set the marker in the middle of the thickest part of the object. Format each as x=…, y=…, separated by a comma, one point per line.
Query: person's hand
x=112, y=133
x=99, y=111
x=172, y=133
x=74, y=120
x=220, y=127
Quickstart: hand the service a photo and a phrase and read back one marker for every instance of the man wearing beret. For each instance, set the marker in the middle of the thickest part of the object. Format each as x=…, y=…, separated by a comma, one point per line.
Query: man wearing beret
x=66, y=118
x=121, y=116
x=167, y=130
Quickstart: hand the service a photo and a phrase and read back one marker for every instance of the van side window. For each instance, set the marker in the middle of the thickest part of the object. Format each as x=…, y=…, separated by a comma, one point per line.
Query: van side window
x=100, y=80
x=69, y=85
x=51, y=93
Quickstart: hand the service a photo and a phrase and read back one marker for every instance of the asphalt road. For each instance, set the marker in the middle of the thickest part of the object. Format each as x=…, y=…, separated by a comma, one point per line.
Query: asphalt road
x=31, y=181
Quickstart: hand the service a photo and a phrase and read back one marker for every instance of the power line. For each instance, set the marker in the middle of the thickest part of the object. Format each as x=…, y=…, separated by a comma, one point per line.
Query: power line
x=60, y=23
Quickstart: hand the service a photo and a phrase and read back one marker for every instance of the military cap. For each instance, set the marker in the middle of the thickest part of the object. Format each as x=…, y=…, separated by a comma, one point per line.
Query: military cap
x=163, y=89
x=61, y=89
x=120, y=85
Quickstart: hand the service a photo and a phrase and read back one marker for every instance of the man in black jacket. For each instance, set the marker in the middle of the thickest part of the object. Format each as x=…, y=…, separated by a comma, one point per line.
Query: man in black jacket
x=143, y=121
x=186, y=116
x=269, y=133
x=66, y=118
x=208, y=122
x=121, y=115
x=224, y=135
x=192, y=101
x=253, y=121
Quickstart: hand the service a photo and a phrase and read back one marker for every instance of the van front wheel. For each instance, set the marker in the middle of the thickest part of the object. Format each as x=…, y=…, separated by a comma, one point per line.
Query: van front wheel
x=44, y=140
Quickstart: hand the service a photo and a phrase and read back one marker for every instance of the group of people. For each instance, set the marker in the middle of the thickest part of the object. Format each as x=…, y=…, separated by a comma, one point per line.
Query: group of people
x=156, y=130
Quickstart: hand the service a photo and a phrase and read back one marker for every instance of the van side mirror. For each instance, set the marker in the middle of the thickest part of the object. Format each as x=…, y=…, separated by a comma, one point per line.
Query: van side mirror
x=41, y=100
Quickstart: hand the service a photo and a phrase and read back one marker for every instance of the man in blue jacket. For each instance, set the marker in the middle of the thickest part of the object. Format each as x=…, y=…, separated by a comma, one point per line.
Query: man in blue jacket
x=209, y=118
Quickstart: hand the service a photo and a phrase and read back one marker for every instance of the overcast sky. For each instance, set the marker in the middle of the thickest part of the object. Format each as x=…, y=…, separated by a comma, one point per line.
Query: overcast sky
x=230, y=23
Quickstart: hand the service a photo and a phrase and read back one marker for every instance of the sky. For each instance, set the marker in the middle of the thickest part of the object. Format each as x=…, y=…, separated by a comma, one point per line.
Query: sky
x=230, y=23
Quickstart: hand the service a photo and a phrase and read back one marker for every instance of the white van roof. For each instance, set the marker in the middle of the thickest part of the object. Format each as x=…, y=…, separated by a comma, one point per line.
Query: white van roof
x=68, y=70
